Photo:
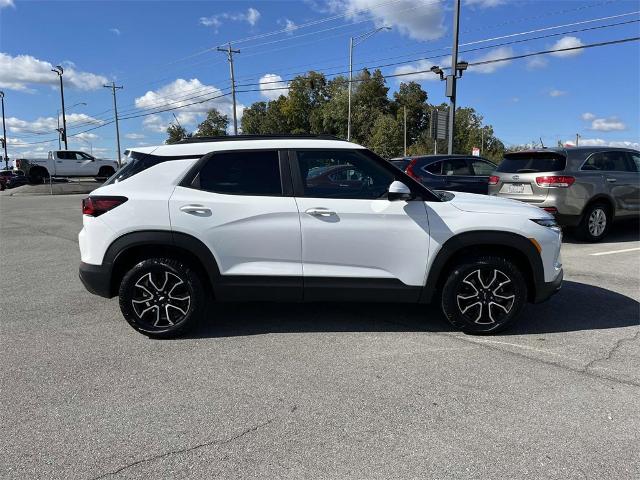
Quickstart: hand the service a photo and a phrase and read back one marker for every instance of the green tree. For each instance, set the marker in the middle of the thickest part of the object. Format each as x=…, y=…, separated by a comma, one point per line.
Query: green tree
x=412, y=97
x=369, y=101
x=214, y=125
x=386, y=137
x=176, y=133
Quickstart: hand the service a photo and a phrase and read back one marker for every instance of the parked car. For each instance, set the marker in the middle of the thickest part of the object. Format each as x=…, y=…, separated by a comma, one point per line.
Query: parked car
x=458, y=173
x=67, y=163
x=585, y=187
x=242, y=218
x=11, y=179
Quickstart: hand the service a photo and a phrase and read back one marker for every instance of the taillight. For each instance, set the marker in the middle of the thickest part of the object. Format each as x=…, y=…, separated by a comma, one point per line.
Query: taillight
x=553, y=210
x=494, y=179
x=555, y=181
x=409, y=170
x=95, y=206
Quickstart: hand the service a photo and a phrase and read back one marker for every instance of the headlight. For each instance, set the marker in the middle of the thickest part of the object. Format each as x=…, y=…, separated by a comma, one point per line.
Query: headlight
x=547, y=222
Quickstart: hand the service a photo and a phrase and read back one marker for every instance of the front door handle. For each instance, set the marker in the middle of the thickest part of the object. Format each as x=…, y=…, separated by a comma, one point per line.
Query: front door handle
x=612, y=180
x=319, y=212
x=195, y=209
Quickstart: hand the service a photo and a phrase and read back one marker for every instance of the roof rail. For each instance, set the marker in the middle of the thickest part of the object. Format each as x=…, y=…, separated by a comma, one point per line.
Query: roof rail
x=271, y=136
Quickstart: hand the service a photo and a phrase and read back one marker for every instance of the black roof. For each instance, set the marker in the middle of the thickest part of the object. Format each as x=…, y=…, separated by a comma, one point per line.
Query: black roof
x=230, y=138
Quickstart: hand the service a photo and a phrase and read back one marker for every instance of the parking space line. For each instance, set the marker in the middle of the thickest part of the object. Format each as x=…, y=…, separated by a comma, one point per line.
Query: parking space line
x=624, y=250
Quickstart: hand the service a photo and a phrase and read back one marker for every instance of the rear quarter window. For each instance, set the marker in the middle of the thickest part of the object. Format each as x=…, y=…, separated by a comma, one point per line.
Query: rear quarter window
x=532, y=163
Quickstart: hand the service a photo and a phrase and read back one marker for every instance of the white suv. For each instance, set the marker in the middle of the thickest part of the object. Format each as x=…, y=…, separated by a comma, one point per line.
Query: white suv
x=306, y=218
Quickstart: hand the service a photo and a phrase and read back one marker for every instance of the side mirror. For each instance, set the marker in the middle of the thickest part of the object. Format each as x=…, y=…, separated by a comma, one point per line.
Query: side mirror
x=398, y=191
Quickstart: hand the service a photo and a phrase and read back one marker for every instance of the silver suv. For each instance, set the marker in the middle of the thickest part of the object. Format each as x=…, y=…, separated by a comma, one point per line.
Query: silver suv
x=584, y=187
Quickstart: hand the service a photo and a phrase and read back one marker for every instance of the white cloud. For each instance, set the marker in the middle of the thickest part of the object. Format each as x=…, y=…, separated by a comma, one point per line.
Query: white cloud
x=567, y=42
x=603, y=124
x=115, y=31
x=134, y=136
x=415, y=18
x=557, y=93
x=420, y=71
x=155, y=123
x=48, y=125
x=179, y=95
x=494, y=54
x=289, y=26
x=537, y=62
x=599, y=142
x=7, y=3
x=268, y=83
x=18, y=72
x=484, y=3
x=251, y=16
x=85, y=136
x=607, y=124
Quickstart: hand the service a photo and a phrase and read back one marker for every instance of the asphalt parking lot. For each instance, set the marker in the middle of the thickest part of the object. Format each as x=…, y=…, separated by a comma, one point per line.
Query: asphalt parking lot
x=312, y=391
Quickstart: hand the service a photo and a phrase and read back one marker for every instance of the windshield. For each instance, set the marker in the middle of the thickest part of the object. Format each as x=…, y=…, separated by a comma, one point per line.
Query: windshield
x=532, y=162
x=138, y=162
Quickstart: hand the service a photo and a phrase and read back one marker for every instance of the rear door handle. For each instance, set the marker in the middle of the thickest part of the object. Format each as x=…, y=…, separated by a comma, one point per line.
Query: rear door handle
x=612, y=180
x=319, y=212
x=195, y=209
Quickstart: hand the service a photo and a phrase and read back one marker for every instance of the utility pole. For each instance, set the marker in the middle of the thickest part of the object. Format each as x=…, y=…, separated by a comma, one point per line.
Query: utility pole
x=482, y=141
x=405, y=130
x=4, y=135
x=58, y=129
x=230, y=53
x=577, y=138
x=60, y=71
x=452, y=77
x=354, y=41
x=113, y=88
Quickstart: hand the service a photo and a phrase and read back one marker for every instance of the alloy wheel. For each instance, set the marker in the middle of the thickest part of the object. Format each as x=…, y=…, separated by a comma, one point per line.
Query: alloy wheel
x=597, y=222
x=486, y=296
x=160, y=300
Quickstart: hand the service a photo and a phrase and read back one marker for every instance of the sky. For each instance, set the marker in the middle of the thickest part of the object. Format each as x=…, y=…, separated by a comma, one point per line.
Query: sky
x=164, y=55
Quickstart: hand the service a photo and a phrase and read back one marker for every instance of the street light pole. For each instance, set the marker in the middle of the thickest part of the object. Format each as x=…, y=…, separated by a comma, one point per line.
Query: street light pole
x=354, y=41
x=59, y=130
x=4, y=135
x=451, y=79
x=60, y=71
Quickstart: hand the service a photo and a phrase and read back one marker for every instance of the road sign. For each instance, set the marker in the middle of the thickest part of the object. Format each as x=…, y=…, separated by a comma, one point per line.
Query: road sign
x=475, y=152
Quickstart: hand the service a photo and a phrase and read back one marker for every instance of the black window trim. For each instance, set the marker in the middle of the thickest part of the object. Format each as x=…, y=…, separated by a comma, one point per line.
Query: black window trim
x=192, y=177
x=419, y=190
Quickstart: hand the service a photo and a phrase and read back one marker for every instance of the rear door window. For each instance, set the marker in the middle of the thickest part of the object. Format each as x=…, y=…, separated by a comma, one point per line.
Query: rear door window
x=608, y=162
x=482, y=168
x=434, y=168
x=532, y=162
x=242, y=173
x=456, y=166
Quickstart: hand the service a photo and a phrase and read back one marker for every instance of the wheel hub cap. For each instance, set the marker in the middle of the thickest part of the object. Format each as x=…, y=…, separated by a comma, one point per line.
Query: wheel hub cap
x=161, y=299
x=485, y=296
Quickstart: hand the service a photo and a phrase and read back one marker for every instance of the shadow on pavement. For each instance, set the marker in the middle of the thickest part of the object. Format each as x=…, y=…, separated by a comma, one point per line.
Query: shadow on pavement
x=576, y=307
x=621, y=232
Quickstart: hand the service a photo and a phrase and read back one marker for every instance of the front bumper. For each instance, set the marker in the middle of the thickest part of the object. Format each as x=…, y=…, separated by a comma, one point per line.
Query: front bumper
x=546, y=290
x=96, y=279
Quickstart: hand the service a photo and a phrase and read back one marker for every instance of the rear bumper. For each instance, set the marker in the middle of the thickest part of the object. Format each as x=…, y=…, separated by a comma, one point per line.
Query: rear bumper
x=96, y=279
x=546, y=290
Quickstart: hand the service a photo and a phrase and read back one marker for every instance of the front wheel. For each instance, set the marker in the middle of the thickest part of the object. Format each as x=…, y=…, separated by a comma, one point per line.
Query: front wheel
x=484, y=294
x=161, y=297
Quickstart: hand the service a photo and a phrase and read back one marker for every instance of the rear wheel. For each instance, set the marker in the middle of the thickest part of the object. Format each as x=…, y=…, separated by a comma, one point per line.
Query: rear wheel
x=595, y=223
x=38, y=175
x=483, y=294
x=161, y=297
x=105, y=172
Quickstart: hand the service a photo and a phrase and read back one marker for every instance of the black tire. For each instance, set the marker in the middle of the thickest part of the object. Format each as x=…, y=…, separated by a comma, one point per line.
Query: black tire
x=38, y=175
x=104, y=173
x=145, y=293
x=595, y=223
x=495, y=292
